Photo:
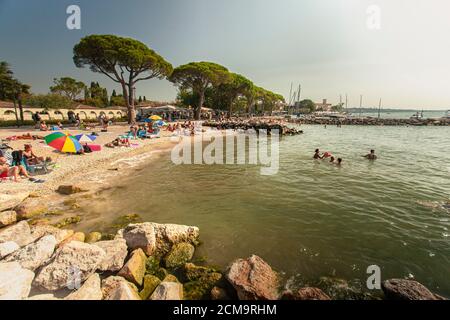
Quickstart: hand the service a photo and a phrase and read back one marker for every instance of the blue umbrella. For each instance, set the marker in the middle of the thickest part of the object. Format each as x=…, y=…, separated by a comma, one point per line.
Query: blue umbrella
x=85, y=138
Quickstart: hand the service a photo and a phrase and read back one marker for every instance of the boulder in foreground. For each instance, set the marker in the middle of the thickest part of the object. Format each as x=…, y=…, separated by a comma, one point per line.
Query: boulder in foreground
x=20, y=233
x=35, y=254
x=402, y=289
x=15, y=281
x=72, y=263
x=116, y=253
x=168, y=291
x=134, y=269
x=118, y=288
x=253, y=279
x=90, y=290
x=7, y=218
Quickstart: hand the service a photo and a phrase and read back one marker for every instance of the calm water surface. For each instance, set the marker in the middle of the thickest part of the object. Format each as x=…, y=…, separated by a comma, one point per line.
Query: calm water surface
x=312, y=219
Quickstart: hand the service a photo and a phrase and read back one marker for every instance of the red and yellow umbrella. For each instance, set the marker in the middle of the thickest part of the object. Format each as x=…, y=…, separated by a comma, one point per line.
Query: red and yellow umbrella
x=63, y=142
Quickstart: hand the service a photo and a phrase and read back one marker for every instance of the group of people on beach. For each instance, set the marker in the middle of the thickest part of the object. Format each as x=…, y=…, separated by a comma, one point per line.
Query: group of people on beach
x=14, y=164
x=338, y=162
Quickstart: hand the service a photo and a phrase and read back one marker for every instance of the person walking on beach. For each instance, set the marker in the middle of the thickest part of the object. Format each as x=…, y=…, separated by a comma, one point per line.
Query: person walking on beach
x=371, y=155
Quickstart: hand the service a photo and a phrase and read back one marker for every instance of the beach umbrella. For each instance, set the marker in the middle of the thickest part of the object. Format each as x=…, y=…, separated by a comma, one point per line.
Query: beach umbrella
x=155, y=117
x=85, y=138
x=63, y=142
x=161, y=123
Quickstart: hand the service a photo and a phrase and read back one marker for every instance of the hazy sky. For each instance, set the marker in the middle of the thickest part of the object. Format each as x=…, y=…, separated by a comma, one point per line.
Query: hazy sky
x=325, y=45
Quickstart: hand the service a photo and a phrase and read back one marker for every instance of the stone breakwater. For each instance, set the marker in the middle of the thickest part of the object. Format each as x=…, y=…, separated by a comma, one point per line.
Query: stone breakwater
x=252, y=125
x=141, y=261
x=372, y=121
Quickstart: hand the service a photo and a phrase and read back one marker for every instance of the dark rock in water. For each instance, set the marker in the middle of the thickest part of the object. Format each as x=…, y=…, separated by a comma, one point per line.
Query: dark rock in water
x=307, y=293
x=179, y=255
x=69, y=189
x=253, y=279
x=401, y=289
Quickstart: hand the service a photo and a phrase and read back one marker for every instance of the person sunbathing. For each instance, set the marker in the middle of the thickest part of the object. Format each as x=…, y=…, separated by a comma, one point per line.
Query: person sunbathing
x=43, y=126
x=30, y=157
x=7, y=171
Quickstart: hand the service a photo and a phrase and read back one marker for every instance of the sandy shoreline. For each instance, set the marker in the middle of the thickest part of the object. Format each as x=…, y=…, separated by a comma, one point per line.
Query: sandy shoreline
x=83, y=170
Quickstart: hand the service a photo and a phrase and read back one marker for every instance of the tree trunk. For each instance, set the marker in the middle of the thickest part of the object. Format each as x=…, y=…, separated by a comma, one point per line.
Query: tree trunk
x=198, y=110
x=127, y=103
x=131, y=108
x=20, y=109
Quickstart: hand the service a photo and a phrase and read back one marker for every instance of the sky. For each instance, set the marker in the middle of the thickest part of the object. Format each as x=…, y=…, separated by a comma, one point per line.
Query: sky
x=330, y=47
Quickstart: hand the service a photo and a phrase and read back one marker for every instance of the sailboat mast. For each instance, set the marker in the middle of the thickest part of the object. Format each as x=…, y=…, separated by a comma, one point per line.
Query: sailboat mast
x=360, y=104
x=379, y=109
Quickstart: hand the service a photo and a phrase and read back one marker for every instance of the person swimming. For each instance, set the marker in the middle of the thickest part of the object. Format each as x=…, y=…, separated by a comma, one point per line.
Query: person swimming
x=332, y=160
x=371, y=155
x=339, y=162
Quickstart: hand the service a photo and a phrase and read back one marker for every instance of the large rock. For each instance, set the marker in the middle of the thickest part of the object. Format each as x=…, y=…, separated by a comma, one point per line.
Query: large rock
x=157, y=239
x=47, y=296
x=140, y=236
x=35, y=254
x=31, y=207
x=20, y=233
x=7, y=218
x=401, y=289
x=7, y=248
x=116, y=253
x=72, y=263
x=307, y=293
x=90, y=290
x=38, y=231
x=150, y=284
x=200, y=281
x=253, y=279
x=169, y=234
x=15, y=281
x=179, y=255
x=118, y=288
x=93, y=237
x=168, y=291
x=69, y=189
x=77, y=236
x=218, y=293
x=11, y=200
x=134, y=269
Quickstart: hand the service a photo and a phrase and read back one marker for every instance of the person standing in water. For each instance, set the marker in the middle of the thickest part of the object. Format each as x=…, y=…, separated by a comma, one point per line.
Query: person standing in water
x=317, y=155
x=371, y=155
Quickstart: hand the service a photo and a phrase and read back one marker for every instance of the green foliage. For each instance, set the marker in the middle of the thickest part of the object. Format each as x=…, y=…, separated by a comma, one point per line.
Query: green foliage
x=124, y=60
x=96, y=96
x=67, y=87
x=307, y=106
x=117, y=101
x=227, y=93
x=198, y=77
x=49, y=101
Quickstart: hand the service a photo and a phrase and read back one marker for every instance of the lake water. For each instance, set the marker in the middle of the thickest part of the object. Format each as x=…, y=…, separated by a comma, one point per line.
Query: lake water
x=403, y=114
x=312, y=219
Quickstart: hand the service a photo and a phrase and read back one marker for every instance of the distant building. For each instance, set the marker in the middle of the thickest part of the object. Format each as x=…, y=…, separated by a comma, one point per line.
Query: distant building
x=7, y=112
x=323, y=106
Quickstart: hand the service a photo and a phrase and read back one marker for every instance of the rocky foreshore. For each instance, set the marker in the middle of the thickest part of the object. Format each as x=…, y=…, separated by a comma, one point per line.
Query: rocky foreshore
x=141, y=261
x=256, y=125
x=368, y=121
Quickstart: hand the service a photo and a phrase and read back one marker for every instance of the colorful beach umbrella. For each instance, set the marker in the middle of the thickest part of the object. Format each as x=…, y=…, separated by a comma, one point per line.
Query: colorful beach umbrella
x=63, y=142
x=85, y=138
x=155, y=117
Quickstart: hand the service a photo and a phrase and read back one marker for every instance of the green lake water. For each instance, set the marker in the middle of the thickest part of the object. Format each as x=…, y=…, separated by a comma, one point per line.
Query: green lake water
x=312, y=219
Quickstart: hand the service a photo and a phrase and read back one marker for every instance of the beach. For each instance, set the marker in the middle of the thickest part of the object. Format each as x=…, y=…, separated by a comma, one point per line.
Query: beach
x=84, y=170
